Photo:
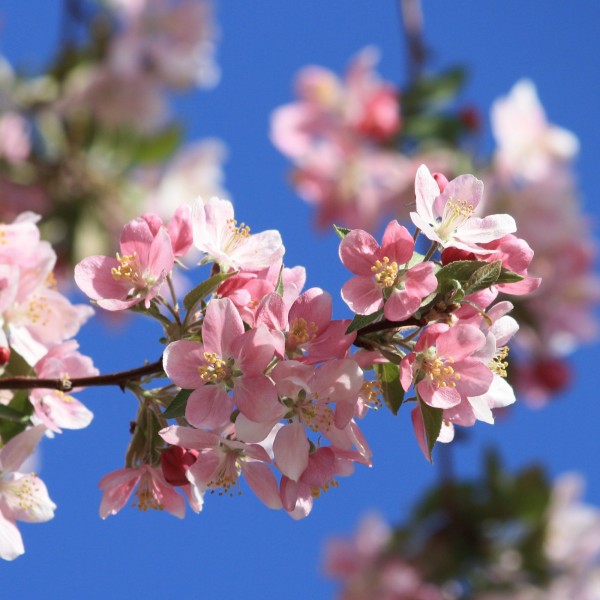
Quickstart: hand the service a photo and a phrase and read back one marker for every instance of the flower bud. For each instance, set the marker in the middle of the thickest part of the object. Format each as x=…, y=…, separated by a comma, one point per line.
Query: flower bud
x=4, y=355
x=175, y=461
x=441, y=180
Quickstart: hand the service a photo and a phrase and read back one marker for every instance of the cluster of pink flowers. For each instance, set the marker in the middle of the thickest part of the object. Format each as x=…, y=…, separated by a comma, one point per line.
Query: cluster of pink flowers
x=532, y=178
x=264, y=375
x=36, y=324
x=338, y=135
x=159, y=44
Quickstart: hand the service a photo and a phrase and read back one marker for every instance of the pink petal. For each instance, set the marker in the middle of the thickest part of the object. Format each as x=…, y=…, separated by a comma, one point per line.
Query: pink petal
x=256, y=397
x=426, y=191
x=11, y=543
x=222, y=326
x=209, y=407
x=397, y=243
x=181, y=361
x=291, y=450
x=358, y=251
x=362, y=295
x=263, y=483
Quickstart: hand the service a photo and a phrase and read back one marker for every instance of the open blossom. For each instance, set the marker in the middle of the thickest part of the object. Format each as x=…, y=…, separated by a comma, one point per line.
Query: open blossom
x=220, y=462
x=135, y=275
x=56, y=409
x=33, y=313
x=218, y=235
x=447, y=217
x=23, y=496
x=383, y=279
x=529, y=147
x=153, y=492
x=444, y=365
x=229, y=359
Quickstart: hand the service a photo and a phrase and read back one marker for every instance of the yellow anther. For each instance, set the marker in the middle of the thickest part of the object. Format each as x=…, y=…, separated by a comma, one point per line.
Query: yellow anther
x=241, y=231
x=301, y=331
x=438, y=371
x=127, y=269
x=385, y=272
x=215, y=371
x=499, y=364
x=146, y=499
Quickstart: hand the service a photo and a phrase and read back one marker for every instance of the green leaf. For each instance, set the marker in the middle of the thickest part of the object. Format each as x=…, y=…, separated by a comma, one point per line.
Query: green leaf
x=484, y=277
x=279, y=286
x=10, y=414
x=507, y=276
x=341, y=231
x=361, y=321
x=434, y=90
x=393, y=393
x=204, y=289
x=178, y=405
x=432, y=421
x=158, y=147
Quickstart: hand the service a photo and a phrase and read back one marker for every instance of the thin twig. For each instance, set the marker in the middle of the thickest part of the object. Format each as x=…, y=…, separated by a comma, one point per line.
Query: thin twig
x=412, y=23
x=120, y=378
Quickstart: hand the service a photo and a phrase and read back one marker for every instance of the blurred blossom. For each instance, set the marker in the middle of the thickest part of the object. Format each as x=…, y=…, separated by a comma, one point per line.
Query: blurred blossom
x=172, y=41
x=195, y=171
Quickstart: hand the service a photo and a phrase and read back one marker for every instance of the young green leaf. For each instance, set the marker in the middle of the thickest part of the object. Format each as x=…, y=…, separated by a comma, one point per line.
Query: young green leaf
x=178, y=405
x=361, y=321
x=389, y=378
x=204, y=289
x=432, y=421
x=341, y=231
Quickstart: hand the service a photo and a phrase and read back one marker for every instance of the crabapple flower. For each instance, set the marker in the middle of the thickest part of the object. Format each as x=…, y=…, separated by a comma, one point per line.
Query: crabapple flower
x=23, y=497
x=220, y=462
x=221, y=239
x=153, y=491
x=529, y=147
x=229, y=359
x=56, y=409
x=135, y=275
x=383, y=279
x=447, y=217
x=444, y=366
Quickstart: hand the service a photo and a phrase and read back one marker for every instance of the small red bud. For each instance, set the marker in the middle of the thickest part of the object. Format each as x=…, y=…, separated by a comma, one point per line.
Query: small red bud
x=553, y=374
x=4, y=355
x=470, y=118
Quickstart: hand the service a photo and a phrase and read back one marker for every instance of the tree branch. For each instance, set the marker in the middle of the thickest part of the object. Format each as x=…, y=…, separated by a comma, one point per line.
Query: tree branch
x=120, y=378
x=412, y=23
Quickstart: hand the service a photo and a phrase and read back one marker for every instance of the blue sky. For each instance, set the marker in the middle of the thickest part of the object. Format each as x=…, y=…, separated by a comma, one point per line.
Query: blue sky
x=237, y=548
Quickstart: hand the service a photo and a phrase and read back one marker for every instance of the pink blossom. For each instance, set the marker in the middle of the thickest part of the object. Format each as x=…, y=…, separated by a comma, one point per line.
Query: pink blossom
x=135, y=275
x=14, y=138
x=383, y=279
x=153, y=492
x=529, y=147
x=229, y=359
x=218, y=235
x=221, y=460
x=23, y=497
x=57, y=409
x=447, y=217
x=444, y=367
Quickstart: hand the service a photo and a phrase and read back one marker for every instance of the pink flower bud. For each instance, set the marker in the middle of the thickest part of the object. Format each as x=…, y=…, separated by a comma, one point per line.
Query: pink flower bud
x=552, y=374
x=470, y=118
x=175, y=461
x=441, y=180
x=381, y=119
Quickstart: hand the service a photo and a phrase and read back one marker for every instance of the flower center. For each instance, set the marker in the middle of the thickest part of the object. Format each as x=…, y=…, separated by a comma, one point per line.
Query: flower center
x=127, y=269
x=385, y=272
x=26, y=490
x=302, y=332
x=456, y=212
x=440, y=372
x=498, y=364
x=216, y=371
x=146, y=499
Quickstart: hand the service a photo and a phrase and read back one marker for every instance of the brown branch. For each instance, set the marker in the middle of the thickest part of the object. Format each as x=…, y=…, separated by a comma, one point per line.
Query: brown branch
x=64, y=385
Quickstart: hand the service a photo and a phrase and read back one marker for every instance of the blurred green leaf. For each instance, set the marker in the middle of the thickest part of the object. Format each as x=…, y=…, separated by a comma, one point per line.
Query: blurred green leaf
x=393, y=393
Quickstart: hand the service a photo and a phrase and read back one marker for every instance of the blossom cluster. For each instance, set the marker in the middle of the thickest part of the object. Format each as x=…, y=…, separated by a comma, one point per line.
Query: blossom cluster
x=356, y=145
x=37, y=323
x=561, y=563
x=95, y=131
x=263, y=383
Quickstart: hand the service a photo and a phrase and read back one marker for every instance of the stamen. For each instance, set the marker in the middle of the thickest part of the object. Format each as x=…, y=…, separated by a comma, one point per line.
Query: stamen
x=302, y=332
x=385, y=272
x=498, y=364
x=216, y=371
x=127, y=269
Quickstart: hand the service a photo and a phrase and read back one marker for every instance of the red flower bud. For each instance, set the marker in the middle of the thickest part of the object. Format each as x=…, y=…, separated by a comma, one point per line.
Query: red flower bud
x=4, y=355
x=441, y=180
x=175, y=461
